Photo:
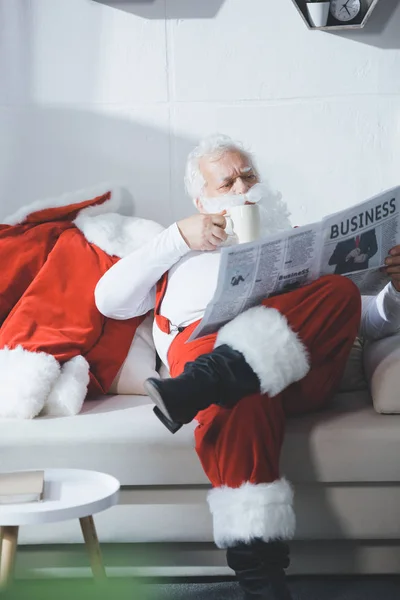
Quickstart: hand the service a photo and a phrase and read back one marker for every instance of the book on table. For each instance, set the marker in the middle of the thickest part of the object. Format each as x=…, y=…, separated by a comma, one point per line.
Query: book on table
x=21, y=486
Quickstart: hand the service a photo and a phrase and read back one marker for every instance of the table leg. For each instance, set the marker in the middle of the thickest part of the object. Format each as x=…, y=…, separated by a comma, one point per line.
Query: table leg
x=93, y=547
x=9, y=540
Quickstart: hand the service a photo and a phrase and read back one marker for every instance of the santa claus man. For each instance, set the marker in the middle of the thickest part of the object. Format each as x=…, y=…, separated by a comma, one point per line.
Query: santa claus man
x=281, y=358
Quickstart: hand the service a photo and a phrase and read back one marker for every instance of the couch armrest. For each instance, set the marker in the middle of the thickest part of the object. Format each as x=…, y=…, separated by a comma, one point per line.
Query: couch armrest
x=382, y=370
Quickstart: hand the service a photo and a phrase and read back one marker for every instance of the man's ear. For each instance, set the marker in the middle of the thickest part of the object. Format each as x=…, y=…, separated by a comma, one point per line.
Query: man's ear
x=199, y=205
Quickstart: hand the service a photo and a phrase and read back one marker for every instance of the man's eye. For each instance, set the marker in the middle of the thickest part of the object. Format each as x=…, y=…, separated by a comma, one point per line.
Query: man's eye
x=250, y=176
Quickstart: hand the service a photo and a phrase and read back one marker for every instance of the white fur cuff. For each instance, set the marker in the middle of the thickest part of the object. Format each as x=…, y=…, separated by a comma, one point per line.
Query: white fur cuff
x=116, y=234
x=32, y=383
x=26, y=379
x=69, y=391
x=270, y=347
x=252, y=511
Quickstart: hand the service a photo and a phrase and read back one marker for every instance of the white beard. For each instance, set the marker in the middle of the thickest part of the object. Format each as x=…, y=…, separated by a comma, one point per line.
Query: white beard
x=274, y=213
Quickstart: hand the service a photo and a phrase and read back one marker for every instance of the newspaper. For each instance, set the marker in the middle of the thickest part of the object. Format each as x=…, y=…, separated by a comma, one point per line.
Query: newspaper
x=353, y=242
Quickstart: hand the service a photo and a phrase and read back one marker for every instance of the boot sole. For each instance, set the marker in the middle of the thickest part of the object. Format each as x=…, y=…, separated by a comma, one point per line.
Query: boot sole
x=172, y=426
x=160, y=409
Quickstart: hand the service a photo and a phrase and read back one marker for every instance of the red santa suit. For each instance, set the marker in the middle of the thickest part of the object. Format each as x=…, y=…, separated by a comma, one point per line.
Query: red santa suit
x=54, y=343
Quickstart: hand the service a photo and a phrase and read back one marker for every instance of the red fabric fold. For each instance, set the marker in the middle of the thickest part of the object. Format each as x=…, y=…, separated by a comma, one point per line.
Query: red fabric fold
x=49, y=273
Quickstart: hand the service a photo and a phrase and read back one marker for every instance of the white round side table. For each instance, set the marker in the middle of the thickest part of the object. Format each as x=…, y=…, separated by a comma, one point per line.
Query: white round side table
x=68, y=494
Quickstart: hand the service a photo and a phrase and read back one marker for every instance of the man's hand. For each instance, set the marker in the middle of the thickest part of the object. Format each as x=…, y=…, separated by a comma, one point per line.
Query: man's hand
x=203, y=232
x=393, y=267
x=361, y=258
x=353, y=254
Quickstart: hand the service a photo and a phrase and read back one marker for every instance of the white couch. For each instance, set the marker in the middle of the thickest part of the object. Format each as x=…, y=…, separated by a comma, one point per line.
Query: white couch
x=344, y=463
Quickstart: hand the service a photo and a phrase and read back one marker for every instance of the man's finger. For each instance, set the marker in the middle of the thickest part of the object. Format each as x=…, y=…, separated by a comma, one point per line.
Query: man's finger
x=395, y=251
x=392, y=260
x=216, y=241
x=393, y=270
x=208, y=245
x=219, y=233
x=219, y=220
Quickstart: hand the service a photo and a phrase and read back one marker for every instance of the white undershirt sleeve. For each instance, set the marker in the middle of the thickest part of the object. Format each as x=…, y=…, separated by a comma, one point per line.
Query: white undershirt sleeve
x=128, y=289
x=381, y=314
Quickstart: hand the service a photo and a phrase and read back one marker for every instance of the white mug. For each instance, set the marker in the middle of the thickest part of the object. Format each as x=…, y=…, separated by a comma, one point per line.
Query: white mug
x=246, y=223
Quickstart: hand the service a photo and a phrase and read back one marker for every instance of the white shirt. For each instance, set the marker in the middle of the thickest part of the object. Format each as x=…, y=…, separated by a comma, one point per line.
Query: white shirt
x=128, y=289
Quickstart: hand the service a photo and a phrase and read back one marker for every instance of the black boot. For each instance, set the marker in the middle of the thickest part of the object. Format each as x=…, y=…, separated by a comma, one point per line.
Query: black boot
x=260, y=569
x=220, y=377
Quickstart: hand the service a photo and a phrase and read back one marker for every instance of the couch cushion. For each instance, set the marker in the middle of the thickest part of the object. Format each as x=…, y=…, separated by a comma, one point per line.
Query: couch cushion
x=382, y=362
x=121, y=436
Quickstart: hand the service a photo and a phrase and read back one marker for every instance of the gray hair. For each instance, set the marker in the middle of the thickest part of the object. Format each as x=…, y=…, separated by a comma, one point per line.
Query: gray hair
x=213, y=146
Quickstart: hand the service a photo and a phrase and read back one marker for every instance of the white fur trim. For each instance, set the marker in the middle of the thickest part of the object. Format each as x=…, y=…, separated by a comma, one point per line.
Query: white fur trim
x=76, y=197
x=26, y=379
x=69, y=391
x=270, y=347
x=114, y=233
x=263, y=511
x=117, y=235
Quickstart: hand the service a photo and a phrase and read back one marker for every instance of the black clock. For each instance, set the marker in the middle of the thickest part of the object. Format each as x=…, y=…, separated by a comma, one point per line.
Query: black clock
x=347, y=11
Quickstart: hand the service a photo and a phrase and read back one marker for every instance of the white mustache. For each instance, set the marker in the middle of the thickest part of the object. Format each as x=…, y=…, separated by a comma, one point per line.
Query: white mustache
x=217, y=204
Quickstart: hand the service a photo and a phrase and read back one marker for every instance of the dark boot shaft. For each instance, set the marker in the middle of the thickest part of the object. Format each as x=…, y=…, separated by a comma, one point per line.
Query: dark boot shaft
x=260, y=569
x=220, y=377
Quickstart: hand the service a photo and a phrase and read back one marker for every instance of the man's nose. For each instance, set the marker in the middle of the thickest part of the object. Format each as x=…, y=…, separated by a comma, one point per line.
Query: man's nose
x=241, y=186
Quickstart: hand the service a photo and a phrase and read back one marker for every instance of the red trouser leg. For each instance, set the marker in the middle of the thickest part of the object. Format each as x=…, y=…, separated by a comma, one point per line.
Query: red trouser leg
x=239, y=448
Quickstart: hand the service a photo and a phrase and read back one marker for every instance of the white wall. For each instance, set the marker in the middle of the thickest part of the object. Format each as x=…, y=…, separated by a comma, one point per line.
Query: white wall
x=90, y=92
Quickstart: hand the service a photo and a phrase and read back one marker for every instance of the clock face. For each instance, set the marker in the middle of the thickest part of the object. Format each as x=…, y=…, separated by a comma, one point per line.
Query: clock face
x=345, y=10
